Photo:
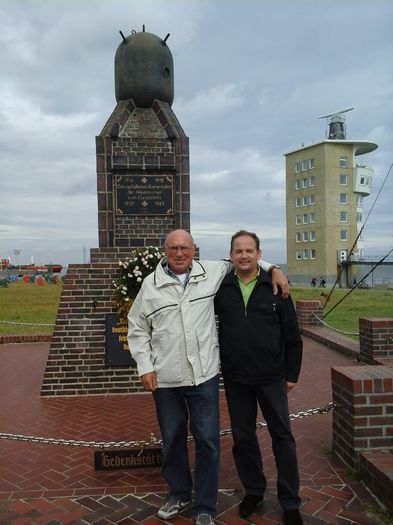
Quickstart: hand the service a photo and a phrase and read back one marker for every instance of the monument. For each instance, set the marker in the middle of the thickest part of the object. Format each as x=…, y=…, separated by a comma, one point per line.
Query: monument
x=143, y=190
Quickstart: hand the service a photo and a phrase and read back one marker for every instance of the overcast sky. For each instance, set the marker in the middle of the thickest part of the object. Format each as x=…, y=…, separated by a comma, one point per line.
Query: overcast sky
x=251, y=80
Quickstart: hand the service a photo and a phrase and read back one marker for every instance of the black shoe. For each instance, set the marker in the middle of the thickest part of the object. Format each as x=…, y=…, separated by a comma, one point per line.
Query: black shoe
x=292, y=517
x=249, y=505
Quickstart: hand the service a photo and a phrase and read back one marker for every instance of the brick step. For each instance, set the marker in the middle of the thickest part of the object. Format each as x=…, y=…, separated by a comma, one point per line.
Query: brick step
x=25, y=338
x=376, y=468
x=332, y=339
x=388, y=361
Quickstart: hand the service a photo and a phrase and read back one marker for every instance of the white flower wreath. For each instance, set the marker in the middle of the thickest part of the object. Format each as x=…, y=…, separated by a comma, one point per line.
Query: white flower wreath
x=133, y=269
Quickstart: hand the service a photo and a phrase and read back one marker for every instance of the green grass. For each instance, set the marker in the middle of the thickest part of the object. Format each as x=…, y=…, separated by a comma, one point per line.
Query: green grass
x=360, y=303
x=29, y=303
x=384, y=516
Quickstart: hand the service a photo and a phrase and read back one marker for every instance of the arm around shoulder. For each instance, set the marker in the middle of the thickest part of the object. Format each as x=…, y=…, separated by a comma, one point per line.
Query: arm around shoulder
x=279, y=280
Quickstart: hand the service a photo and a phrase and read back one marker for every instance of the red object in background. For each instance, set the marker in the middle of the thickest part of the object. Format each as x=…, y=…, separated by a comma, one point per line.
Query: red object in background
x=26, y=278
x=39, y=280
x=56, y=268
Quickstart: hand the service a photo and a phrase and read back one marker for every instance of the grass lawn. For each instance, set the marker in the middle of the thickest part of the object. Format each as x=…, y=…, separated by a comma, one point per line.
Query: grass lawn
x=360, y=303
x=29, y=303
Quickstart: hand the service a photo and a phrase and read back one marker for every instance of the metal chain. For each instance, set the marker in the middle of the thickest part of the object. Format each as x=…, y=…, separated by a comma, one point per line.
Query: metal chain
x=152, y=441
x=140, y=444
x=335, y=329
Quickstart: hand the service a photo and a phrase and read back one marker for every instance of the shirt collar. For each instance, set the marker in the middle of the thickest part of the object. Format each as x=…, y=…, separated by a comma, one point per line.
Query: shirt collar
x=169, y=272
x=254, y=278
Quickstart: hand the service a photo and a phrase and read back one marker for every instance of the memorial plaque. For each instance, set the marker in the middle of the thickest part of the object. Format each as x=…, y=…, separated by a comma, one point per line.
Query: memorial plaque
x=144, y=194
x=116, y=346
x=128, y=459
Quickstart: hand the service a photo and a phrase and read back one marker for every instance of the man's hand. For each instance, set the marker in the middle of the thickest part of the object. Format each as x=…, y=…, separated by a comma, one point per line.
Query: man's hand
x=149, y=381
x=290, y=386
x=279, y=280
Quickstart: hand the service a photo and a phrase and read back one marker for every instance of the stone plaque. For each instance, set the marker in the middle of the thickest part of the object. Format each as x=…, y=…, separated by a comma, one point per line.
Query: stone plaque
x=128, y=459
x=116, y=345
x=144, y=194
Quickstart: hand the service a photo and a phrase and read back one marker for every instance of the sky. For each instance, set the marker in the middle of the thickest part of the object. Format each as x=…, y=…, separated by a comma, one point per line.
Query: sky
x=251, y=79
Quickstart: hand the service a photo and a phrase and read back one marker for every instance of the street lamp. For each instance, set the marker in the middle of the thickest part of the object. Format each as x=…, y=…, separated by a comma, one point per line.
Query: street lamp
x=17, y=253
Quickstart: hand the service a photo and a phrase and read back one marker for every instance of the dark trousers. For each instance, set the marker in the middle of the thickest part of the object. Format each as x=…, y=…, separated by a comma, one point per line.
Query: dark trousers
x=243, y=403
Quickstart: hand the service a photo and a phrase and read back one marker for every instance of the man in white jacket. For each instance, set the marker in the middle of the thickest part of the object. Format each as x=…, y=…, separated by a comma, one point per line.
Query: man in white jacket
x=173, y=338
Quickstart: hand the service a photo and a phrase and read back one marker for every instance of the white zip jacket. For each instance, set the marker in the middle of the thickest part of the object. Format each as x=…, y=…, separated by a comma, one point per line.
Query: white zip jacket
x=172, y=330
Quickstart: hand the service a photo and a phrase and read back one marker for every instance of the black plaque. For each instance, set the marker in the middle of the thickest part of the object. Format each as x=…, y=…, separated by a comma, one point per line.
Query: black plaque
x=116, y=346
x=128, y=459
x=144, y=194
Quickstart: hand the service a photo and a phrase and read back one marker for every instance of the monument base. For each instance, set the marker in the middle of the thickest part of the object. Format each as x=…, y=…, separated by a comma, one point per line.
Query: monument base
x=77, y=363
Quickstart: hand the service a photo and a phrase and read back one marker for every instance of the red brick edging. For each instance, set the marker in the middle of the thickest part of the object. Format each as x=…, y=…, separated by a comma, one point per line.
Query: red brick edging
x=25, y=338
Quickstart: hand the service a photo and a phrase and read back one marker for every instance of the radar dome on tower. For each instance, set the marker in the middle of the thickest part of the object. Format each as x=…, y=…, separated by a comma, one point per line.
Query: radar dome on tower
x=144, y=69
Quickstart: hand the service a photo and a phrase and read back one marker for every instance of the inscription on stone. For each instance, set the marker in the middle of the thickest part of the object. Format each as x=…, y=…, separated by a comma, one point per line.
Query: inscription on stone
x=116, y=344
x=144, y=194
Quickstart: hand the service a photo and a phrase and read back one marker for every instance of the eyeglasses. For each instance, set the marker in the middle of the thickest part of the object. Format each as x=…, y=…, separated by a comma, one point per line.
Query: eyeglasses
x=175, y=249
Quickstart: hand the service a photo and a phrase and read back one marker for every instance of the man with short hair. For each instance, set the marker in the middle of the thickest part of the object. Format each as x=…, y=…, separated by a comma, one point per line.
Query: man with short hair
x=173, y=338
x=261, y=352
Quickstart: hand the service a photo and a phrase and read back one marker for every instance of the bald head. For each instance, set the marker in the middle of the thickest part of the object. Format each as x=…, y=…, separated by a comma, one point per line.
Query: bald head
x=179, y=250
x=178, y=236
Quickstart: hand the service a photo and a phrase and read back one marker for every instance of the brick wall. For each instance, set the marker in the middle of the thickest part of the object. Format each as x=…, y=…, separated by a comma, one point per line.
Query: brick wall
x=76, y=360
x=376, y=339
x=363, y=419
x=308, y=313
x=149, y=231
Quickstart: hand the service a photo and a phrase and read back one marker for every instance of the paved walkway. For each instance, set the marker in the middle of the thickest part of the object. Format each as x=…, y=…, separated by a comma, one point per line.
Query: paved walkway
x=51, y=484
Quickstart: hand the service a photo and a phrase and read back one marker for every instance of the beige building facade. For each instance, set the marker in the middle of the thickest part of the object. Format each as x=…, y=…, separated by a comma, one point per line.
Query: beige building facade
x=325, y=188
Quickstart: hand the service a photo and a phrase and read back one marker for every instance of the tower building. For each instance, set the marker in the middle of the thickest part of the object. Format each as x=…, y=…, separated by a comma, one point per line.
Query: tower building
x=325, y=187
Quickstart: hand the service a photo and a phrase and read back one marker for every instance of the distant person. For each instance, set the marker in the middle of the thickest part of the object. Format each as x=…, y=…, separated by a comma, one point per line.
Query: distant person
x=261, y=353
x=314, y=282
x=322, y=282
x=354, y=282
x=173, y=339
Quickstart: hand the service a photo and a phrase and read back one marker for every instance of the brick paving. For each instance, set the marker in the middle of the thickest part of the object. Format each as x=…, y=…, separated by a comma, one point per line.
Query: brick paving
x=44, y=484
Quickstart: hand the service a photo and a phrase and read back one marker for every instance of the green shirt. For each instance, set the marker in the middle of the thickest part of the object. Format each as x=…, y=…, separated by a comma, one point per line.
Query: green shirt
x=247, y=288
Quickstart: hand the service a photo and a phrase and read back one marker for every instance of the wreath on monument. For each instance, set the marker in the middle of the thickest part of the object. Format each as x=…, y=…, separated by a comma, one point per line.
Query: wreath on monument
x=133, y=270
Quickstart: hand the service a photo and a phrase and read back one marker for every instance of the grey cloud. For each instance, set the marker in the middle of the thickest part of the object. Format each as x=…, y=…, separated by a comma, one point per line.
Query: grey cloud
x=251, y=78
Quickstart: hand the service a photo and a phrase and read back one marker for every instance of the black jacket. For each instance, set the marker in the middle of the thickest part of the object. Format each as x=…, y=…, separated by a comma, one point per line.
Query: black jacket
x=261, y=343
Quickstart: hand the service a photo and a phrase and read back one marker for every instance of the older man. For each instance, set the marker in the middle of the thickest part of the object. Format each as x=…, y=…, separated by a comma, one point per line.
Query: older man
x=173, y=339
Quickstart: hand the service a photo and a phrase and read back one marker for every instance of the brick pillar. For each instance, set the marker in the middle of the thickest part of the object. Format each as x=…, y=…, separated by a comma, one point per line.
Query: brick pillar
x=364, y=416
x=307, y=313
x=375, y=338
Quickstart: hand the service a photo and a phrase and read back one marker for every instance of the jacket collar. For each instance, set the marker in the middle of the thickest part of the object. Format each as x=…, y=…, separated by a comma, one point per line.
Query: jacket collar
x=161, y=278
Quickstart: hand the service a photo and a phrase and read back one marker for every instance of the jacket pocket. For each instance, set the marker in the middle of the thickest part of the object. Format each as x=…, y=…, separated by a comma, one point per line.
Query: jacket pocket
x=208, y=347
x=165, y=359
